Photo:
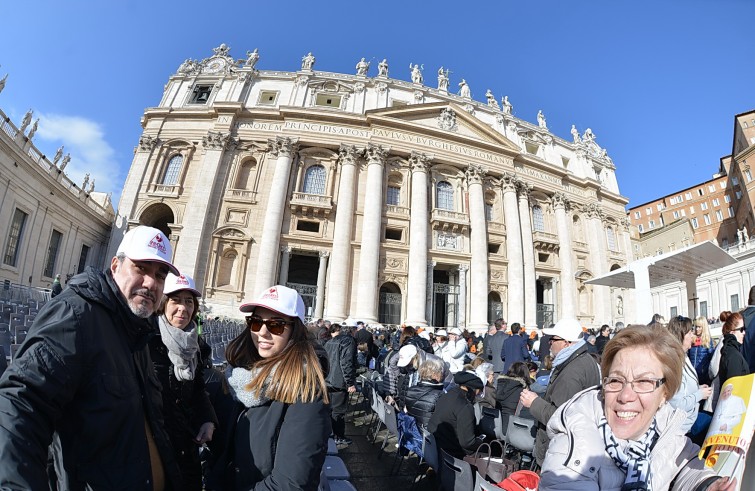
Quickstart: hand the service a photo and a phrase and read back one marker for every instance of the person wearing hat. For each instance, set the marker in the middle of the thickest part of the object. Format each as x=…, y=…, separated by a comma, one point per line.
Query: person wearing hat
x=574, y=370
x=453, y=421
x=189, y=416
x=454, y=350
x=278, y=377
x=84, y=374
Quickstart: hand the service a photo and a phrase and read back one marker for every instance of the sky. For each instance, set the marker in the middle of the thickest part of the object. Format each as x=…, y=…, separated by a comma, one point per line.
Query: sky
x=658, y=82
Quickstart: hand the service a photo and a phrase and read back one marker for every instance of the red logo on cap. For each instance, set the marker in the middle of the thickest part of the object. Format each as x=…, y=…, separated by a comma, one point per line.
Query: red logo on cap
x=157, y=243
x=272, y=294
x=182, y=280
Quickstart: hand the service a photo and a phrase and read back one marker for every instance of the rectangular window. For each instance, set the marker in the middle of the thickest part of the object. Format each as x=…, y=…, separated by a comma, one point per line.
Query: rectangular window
x=719, y=215
x=706, y=217
x=651, y=224
x=268, y=98
x=735, y=302
x=201, y=94
x=676, y=214
x=659, y=206
x=748, y=175
x=711, y=188
x=704, y=205
x=731, y=212
x=673, y=200
x=328, y=100
x=674, y=312
x=700, y=192
x=694, y=223
x=14, y=237
x=722, y=184
x=648, y=211
x=493, y=248
x=531, y=148
x=488, y=212
x=637, y=214
x=724, y=243
x=739, y=194
x=704, y=309
x=83, y=258
x=394, y=193
x=307, y=226
x=692, y=209
x=727, y=198
x=716, y=202
x=688, y=196
x=640, y=228
x=684, y=214
x=52, y=253
x=611, y=238
x=734, y=180
x=393, y=234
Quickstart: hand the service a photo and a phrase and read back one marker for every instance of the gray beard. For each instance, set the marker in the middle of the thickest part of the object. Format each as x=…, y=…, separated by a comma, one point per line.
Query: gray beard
x=140, y=310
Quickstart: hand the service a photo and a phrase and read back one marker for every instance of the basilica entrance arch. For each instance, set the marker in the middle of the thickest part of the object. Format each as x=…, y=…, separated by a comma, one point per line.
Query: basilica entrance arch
x=389, y=307
x=159, y=216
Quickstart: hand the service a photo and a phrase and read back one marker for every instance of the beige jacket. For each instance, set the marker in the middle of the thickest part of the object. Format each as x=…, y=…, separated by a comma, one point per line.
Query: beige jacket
x=577, y=459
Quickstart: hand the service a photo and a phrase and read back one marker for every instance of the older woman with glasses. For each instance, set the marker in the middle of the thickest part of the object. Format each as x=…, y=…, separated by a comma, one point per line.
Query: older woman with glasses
x=281, y=436
x=623, y=435
x=732, y=363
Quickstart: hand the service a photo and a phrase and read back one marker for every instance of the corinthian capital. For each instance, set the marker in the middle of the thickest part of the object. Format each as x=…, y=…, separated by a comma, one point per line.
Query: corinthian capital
x=525, y=189
x=348, y=154
x=419, y=162
x=282, y=146
x=559, y=200
x=147, y=143
x=376, y=154
x=216, y=140
x=509, y=182
x=594, y=210
x=475, y=173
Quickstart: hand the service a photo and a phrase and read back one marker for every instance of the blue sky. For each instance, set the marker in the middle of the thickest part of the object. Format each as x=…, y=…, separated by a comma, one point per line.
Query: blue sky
x=659, y=82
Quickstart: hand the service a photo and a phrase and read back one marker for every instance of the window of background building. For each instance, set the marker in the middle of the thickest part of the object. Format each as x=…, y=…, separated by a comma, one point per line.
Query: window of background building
x=748, y=176
x=52, y=253
x=688, y=195
x=674, y=312
x=727, y=198
x=611, y=236
x=684, y=214
x=676, y=215
x=694, y=223
x=537, y=218
x=719, y=215
x=706, y=217
x=723, y=184
x=83, y=258
x=640, y=228
x=734, y=180
x=704, y=205
x=648, y=210
x=700, y=192
x=724, y=243
x=637, y=214
x=739, y=194
x=691, y=209
x=711, y=188
x=716, y=202
x=314, y=180
x=14, y=237
x=651, y=224
x=444, y=196
x=731, y=212
x=659, y=206
x=170, y=178
x=735, y=302
x=489, y=211
x=393, y=195
x=704, y=309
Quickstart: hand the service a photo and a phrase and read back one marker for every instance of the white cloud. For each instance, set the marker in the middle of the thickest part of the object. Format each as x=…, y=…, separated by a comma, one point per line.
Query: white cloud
x=90, y=153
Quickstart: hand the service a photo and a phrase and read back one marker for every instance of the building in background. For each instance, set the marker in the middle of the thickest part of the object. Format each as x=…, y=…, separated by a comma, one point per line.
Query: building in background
x=720, y=210
x=376, y=198
x=50, y=224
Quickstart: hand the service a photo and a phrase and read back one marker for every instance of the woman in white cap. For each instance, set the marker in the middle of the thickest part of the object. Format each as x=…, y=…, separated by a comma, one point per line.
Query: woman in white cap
x=281, y=437
x=189, y=416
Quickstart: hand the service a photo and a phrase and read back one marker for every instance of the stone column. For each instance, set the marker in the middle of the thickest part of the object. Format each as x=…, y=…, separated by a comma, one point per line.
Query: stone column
x=463, y=296
x=478, y=238
x=515, y=305
x=285, y=257
x=419, y=221
x=283, y=148
x=597, y=241
x=339, y=279
x=321, y=273
x=565, y=255
x=369, y=256
x=528, y=256
x=429, y=305
x=136, y=175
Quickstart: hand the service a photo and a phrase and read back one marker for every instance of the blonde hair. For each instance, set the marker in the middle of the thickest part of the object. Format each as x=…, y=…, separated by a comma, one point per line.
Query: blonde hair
x=298, y=374
x=702, y=323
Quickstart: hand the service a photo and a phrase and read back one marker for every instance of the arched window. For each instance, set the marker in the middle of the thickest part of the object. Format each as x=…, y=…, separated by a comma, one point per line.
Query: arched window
x=444, y=196
x=314, y=180
x=170, y=177
x=225, y=268
x=611, y=237
x=243, y=179
x=389, y=307
x=537, y=219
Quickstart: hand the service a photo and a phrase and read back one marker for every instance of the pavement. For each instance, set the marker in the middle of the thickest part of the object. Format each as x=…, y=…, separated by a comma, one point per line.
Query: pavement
x=370, y=470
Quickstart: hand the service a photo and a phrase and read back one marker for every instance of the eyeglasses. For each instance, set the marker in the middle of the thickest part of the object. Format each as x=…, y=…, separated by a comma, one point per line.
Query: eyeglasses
x=639, y=386
x=741, y=329
x=275, y=326
x=554, y=339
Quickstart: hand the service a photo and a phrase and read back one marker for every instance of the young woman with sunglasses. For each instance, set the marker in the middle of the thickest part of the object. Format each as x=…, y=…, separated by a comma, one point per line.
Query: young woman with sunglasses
x=281, y=436
x=732, y=364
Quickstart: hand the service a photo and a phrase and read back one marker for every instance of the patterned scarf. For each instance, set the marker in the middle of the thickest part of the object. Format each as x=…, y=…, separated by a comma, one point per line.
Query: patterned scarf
x=183, y=346
x=635, y=459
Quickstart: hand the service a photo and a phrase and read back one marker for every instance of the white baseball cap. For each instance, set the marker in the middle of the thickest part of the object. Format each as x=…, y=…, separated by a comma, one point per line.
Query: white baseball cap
x=441, y=332
x=405, y=355
x=281, y=300
x=568, y=329
x=175, y=283
x=456, y=331
x=147, y=244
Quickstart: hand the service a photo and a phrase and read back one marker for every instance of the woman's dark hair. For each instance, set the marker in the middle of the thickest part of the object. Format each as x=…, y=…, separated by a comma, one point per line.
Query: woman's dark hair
x=406, y=333
x=655, y=320
x=161, y=308
x=679, y=326
x=520, y=370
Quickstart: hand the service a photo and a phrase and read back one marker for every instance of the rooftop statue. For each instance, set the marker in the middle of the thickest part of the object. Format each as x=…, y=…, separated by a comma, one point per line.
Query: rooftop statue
x=575, y=134
x=252, y=57
x=65, y=161
x=507, y=107
x=416, y=73
x=2, y=82
x=362, y=67
x=541, y=119
x=491, y=99
x=26, y=121
x=307, y=62
x=383, y=68
x=442, y=79
x=33, y=129
x=58, y=156
x=464, y=89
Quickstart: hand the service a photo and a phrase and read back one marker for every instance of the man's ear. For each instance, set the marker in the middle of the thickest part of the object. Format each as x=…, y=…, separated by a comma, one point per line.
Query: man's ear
x=114, y=265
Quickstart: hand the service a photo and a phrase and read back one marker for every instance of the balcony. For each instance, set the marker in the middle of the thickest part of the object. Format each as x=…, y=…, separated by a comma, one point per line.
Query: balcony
x=241, y=196
x=545, y=241
x=449, y=221
x=164, y=190
x=496, y=227
x=306, y=204
x=397, y=211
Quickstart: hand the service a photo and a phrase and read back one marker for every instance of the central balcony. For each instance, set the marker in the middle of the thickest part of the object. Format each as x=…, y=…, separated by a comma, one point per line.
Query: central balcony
x=449, y=221
x=311, y=204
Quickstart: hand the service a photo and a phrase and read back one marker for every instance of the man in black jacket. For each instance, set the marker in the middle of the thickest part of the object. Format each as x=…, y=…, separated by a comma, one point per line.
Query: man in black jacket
x=83, y=380
x=341, y=379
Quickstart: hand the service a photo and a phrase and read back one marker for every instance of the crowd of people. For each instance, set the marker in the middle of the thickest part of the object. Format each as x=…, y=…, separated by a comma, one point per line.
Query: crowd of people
x=113, y=388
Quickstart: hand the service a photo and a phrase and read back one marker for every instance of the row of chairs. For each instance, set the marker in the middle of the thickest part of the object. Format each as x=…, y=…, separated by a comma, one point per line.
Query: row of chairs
x=334, y=475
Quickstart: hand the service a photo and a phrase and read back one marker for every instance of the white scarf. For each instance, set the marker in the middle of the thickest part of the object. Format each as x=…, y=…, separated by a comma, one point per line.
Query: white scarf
x=239, y=378
x=634, y=460
x=182, y=348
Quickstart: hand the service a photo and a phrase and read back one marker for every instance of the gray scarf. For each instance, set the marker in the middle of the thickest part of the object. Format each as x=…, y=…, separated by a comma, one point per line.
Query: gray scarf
x=565, y=353
x=239, y=378
x=182, y=347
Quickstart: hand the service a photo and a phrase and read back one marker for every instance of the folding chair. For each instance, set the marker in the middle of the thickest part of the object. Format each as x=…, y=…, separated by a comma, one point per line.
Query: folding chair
x=390, y=424
x=430, y=455
x=519, y=435
x=6, y=341
x=3, y=360
x=333, y=484
x=455, y=474
x=332, y=447
x=335, y=468
x=481, y=484
x=491, y=423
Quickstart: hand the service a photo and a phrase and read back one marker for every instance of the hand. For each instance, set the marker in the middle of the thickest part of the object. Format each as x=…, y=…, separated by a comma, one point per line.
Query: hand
x=724, y=484
x=705, y=392
x=205, y=433
x=352, y=389
x=526, y=397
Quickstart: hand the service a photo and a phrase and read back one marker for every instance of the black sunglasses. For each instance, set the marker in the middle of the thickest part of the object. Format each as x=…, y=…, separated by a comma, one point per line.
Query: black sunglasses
x=554, y=339
x=275, y=326
x=741, y=329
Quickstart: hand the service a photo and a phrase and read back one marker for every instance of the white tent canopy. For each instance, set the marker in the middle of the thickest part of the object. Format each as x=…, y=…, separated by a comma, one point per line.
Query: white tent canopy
x=650, y=272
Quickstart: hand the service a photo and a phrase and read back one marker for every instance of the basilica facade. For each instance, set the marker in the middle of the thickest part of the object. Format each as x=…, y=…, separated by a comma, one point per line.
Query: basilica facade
x=378, y=199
